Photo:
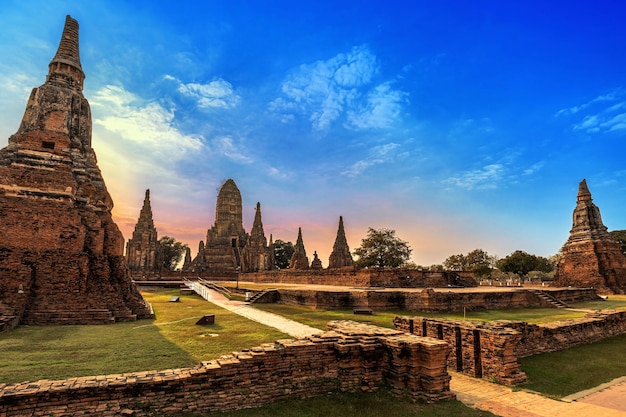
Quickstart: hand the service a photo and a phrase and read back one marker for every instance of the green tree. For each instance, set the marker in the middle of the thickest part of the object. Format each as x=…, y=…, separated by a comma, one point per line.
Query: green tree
x=520, y=262
x=620, y=237
x=282, y=253
x=455, y=263
x=381, y=248
x=172, y=251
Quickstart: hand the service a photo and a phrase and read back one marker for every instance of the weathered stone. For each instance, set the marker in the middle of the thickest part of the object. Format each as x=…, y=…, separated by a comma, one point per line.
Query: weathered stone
x=299, y=260
x=61, y=253
x=143, y=251
x=257, y=255
x=187, y=263
x=340, y=257
x=221, y=254
x=591, y=257
x=316, y=263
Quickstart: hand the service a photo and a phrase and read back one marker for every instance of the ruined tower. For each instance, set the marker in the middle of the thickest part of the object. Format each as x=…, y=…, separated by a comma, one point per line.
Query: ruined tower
x=221, y=255
x=256, y=254
x=299, y=260
x=143, y=252
x=591, y=257
x=62, y=255
x=340, y=257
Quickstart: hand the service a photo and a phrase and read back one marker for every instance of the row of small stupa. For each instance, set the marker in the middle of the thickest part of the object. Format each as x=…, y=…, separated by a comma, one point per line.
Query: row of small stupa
x=62, y=256
x=227, y=249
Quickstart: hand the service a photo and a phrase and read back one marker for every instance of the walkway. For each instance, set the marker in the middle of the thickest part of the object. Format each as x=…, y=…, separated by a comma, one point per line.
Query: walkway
x=606, y=401
x=290, y=327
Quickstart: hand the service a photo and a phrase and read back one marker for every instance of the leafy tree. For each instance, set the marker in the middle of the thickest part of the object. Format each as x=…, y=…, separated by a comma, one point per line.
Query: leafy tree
x=282, y=253
x=172, y=252
x=620, y=237
x=455, y=263
x=477, y=261
x=436, y=267
x=522, y=263
x=381, y=248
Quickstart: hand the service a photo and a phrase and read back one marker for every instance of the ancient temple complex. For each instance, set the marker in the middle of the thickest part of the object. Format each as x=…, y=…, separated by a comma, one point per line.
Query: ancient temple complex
x=340, y=257
x=228, y=248
x=61, y=253
x=299, y=260
x=591, y=257
x=143, y=252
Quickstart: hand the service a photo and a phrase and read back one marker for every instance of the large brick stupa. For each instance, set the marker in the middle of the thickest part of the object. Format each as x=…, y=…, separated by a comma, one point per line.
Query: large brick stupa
x=591, y=257
x=61, y=254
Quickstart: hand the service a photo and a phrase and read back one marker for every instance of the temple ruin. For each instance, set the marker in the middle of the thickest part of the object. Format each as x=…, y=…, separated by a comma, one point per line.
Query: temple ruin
x=591, y=257
x=299, y=260
x=143, y=251
x=228, y=248
x=340, y=257
x=61, y=255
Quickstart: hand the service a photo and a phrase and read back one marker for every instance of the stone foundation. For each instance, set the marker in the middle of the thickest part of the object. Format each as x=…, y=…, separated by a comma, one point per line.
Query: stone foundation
x=426, y=300
x=349, y=357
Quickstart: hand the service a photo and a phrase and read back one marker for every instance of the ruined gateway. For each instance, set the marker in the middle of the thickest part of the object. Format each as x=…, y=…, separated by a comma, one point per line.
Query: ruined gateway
x=61, y=256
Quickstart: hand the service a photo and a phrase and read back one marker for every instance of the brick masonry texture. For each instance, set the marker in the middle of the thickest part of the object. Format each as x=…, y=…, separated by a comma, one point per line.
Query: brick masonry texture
x=490, y=350
x=349, y=357
x=61, y=256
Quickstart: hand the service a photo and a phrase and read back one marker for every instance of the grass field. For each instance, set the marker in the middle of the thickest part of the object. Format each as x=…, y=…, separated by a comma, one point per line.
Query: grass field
x=172, y=340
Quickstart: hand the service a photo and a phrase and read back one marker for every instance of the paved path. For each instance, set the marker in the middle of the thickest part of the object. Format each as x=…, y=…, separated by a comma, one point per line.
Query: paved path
x=290, y=327
x=604, y=401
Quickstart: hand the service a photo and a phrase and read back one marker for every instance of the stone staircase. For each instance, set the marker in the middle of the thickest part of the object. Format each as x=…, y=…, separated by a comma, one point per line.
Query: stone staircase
x=555, y=302
x=259, y=295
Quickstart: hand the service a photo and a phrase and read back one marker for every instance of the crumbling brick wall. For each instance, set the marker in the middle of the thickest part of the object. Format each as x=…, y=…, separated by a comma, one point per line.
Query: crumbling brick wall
x=349, y=357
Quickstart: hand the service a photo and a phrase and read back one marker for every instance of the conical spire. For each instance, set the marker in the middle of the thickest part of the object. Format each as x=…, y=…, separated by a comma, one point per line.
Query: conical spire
x=587, y=221
x=299, y=259
x=583, y=191
x=65, y=67
x=340, y=256
x=145, y=216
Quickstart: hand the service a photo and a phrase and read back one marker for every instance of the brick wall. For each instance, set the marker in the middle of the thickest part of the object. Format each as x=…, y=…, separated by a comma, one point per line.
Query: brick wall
x=490, y=350
x=478, y=349
x=349, y=357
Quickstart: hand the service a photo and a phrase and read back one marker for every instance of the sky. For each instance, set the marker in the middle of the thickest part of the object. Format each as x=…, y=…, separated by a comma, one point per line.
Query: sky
x=458, y=124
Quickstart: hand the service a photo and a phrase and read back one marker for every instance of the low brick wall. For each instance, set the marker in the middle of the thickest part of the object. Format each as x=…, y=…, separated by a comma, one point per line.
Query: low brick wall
x=491, y=350
x=350, y=277
x=425, y=300
x=558, y=335
x=478, y=349
x=349, y=357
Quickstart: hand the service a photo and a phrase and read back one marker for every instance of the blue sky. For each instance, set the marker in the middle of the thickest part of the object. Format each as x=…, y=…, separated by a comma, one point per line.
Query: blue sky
x=459, y=124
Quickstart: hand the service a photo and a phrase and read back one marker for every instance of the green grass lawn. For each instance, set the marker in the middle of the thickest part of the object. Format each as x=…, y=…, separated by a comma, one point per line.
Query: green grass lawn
x=559, y=374
x=172, y=340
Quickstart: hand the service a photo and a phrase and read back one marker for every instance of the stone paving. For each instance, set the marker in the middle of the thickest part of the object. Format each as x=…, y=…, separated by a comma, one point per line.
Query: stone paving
x=608, y=400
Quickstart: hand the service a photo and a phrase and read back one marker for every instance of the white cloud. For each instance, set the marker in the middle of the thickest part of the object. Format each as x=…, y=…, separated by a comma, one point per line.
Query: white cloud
x=339, y=87
x=487, y=177
x=604, y=113
x=534, y=168
x=225, y=146
x=148, y=125
x=218, y=93
x=377, y=155
x=381, y=109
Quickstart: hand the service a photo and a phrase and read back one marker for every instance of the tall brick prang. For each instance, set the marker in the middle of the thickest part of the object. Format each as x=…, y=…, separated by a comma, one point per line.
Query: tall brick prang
x=340, y=257
x=257, y=255
x=591, y=257
x=61, y=254
x=143, y=251
x=299, y=260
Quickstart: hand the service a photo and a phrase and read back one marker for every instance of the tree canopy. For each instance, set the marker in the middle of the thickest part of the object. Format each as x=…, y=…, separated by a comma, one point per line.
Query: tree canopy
x=282, y=253
x=382, y=248
x=172, y=252
x=520, y=262
x=478, y=261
